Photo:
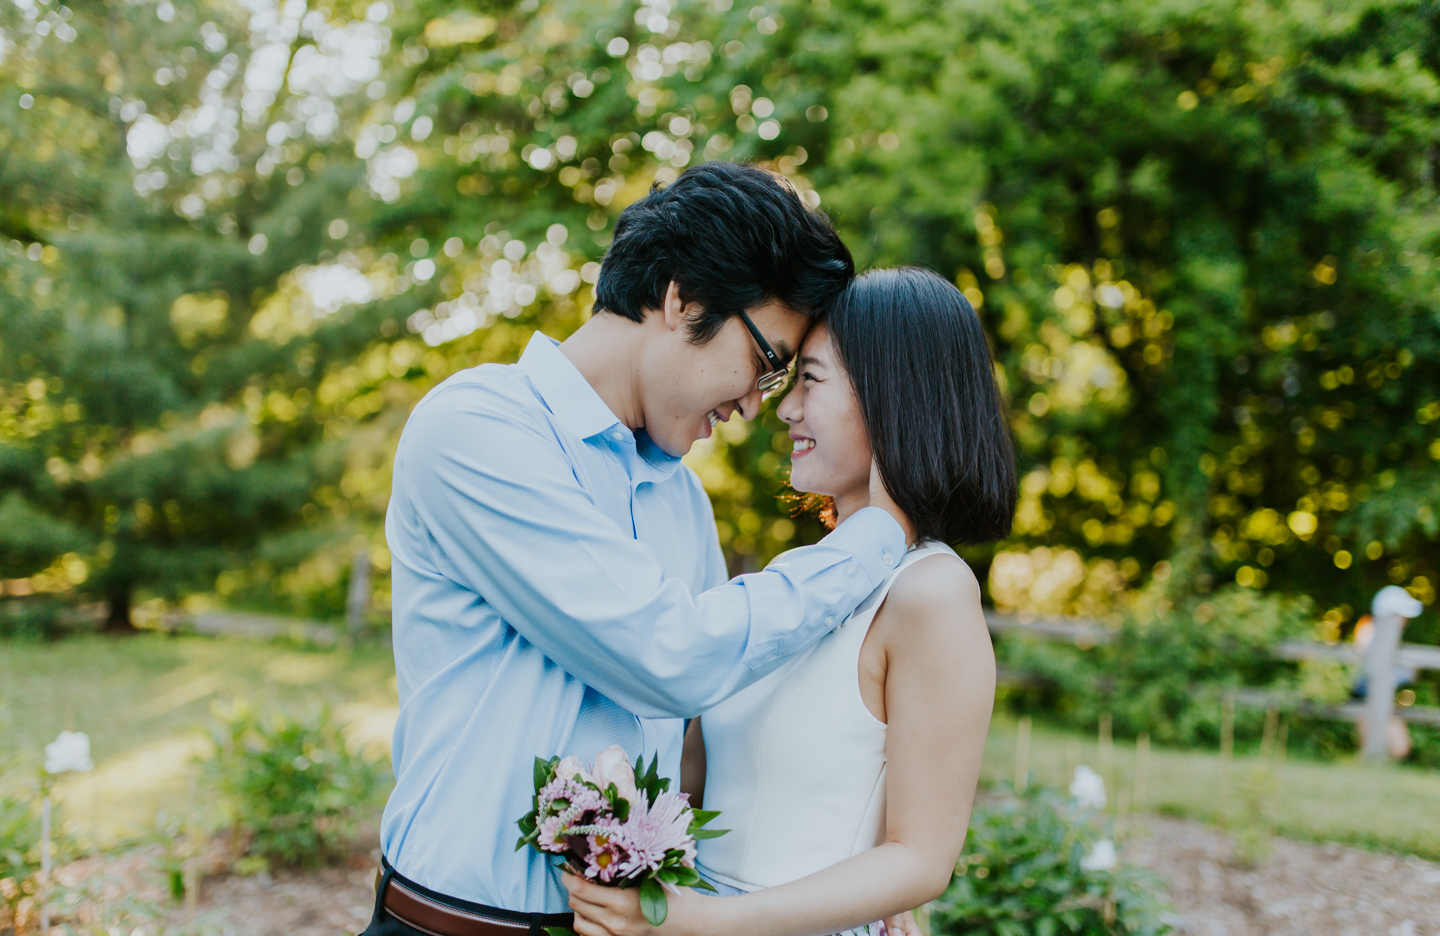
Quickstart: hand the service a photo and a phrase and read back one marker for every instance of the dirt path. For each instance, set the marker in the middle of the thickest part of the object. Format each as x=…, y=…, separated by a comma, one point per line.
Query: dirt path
x=1301, y=889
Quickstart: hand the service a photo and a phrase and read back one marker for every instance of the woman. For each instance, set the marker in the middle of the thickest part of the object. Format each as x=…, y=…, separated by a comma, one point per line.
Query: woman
x=847, y=775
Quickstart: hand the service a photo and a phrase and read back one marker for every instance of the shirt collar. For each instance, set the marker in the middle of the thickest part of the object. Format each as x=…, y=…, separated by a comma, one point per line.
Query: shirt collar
x=563, y=389
x=577, y=407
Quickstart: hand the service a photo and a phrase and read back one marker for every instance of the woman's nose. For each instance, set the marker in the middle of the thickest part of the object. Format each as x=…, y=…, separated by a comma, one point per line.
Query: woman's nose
x=790, y=409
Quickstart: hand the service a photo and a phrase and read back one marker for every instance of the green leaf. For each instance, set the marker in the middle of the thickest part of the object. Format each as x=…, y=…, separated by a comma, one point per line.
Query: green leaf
x=559, y=931
x=652, y=902
x=544, y=771
x=708, y=833
x=698, y=817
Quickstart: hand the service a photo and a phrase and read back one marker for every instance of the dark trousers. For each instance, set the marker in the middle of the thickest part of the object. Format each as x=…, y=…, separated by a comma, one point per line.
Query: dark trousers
x=382, y=923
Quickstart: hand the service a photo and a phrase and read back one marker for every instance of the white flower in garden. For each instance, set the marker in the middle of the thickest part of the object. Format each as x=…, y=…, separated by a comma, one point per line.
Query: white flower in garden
x=1088, y=787
x=1101, y=858
x=70, y=751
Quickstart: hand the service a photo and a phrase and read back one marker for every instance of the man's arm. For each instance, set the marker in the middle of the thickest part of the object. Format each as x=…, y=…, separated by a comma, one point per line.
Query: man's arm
x=505, y=517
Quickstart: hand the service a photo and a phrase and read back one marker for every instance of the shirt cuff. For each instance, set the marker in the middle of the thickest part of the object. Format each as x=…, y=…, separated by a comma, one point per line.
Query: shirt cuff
x=874, y=538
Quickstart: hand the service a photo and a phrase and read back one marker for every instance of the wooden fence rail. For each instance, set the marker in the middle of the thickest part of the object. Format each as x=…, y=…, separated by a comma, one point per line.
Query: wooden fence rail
x=1086, y=633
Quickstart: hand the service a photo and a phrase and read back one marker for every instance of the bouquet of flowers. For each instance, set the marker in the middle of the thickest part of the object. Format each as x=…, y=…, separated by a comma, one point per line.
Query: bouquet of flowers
x=617, y=825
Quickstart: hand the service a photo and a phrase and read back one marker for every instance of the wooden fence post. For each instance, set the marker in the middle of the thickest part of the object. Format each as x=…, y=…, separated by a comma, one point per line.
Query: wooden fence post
x=1022, y=755
x=1380, y=684
x=358, y=599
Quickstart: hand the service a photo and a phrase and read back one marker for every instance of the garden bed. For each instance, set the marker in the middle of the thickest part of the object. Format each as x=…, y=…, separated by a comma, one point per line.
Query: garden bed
x=1300, y=889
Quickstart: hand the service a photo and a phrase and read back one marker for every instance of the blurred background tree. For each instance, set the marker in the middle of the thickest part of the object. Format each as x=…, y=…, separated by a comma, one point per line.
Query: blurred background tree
x=1202, y=236
x=164, y=326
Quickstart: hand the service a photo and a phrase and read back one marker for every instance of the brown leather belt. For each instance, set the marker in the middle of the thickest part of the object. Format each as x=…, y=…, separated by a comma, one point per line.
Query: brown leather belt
x=406, y=902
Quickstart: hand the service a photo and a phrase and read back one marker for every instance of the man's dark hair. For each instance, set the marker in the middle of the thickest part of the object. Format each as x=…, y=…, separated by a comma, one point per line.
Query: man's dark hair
x=921, y=368
x=731, y=237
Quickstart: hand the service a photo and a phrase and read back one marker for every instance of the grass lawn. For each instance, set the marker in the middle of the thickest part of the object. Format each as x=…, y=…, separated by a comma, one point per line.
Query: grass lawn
x=145, y=702
x=1373, y=806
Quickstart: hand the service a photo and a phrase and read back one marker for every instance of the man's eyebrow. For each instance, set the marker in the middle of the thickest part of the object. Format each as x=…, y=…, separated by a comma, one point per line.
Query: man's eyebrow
x=784, y=351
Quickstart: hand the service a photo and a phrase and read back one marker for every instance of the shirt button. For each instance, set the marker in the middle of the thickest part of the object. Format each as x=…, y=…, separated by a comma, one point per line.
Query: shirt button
x=617, y=435
x=887, y=557
x=830, y=622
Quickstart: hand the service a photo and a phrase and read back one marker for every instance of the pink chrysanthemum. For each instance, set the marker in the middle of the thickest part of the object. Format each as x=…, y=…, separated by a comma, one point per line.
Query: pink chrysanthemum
x=607, y=854
x=549, y=839
x=651, y=831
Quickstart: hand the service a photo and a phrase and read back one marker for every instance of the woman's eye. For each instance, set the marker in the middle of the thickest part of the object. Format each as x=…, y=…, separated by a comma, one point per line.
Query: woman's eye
x=806, y=375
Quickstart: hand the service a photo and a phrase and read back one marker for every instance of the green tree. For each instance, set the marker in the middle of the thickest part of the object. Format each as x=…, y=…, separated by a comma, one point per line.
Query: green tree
x=1200, y=233
x=166, y=304
x=1197, y=231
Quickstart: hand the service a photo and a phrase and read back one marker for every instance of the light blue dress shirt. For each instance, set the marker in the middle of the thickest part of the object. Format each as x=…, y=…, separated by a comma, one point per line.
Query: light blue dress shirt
x=554, y=582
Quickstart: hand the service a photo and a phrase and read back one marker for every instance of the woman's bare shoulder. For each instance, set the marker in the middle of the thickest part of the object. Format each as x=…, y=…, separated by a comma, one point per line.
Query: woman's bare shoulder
x=935, y=603
x=942, y=581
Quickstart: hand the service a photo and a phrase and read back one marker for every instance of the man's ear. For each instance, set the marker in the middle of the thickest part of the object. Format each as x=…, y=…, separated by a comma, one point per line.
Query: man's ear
x=675, y=310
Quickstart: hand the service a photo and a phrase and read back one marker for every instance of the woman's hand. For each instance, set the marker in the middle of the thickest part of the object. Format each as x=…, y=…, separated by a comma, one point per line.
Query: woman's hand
x=902, y=925
x=615, y=911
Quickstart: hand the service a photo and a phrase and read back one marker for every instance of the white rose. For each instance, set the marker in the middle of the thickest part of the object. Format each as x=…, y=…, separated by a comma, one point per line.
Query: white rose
x=1101, y=858
x=70, y=751
x=612, y=765
x=570, y=768
x=1088, y=788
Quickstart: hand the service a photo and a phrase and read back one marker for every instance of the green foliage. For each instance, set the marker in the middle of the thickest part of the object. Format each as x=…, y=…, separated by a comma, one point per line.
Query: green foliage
x=149, y=436
x=293, y=788
x=30, y=618
x=19, y=852
x=1425, y=746
x=1164, y=672
x=102, y=905
x=19, y=837
x=1022, y=875
x=1200, y=233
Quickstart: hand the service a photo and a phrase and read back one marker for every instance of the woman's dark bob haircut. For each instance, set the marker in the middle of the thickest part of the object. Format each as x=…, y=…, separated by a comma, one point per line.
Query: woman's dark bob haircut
x=921, y=367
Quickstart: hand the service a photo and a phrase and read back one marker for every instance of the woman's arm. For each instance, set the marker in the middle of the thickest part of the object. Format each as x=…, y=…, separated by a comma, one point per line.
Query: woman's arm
x=939, y=688
x=692, y=765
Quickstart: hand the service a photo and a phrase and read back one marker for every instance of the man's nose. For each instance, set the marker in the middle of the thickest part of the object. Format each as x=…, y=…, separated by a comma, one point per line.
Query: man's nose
x=749, y=405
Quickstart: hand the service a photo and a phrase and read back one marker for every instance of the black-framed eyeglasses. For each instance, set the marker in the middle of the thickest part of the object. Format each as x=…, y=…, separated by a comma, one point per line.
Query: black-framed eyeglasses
x=775, y=378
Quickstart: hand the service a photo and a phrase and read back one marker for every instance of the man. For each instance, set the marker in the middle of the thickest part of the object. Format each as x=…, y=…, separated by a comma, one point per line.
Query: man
x=558, y=584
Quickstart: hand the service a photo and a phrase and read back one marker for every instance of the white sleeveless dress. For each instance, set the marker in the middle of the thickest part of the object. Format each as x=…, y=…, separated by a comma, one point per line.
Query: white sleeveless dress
x=796, y=763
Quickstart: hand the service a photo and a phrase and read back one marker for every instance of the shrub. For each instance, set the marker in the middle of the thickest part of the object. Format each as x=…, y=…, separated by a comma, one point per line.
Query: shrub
x=19, y=855
x=30, y=618
x=1165, y=675
x=1024, y=872
x=293, y=787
